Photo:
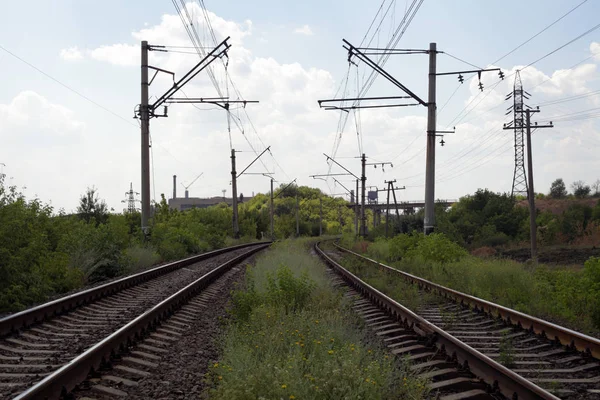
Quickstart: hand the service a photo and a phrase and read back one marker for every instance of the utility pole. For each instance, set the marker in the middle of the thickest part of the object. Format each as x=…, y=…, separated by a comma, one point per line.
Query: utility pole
x=234, y=176
x=531, y=194
x=387, y=212
x=429, y=221
x=356, y=210
x=297, y=217
x=320, y=216
x=363, y=178
x=234, y=204
x=519, y=95
x=147, y=110
x=145, y=130
x=272, y=210
x=530, y=191
x=362, y=53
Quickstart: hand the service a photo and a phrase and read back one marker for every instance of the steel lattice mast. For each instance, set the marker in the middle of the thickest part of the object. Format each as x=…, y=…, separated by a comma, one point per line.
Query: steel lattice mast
x=519, y=186
x=131, y=200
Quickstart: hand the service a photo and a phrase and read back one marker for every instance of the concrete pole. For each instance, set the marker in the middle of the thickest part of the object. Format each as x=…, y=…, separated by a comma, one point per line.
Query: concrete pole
x=234, y=200
x=320, y=216
x=272, y=210
x=429, y=221
x=387, y=213
x=363, y=219
x=531, y=194
x=145, y=129
x=356, y=209
x=297, y=217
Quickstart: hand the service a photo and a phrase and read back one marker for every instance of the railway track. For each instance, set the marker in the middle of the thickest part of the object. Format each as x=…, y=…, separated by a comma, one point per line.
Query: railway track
x=561, y=361
x=50, y=348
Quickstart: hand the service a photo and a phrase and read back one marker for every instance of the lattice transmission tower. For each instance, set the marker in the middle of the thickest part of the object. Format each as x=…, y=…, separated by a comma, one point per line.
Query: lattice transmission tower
x=131, y=200
x=519, y=186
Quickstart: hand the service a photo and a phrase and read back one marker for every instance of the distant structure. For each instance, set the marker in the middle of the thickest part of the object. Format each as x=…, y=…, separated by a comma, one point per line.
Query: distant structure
x=187, y=202
x=131, y=200
x=519, y=186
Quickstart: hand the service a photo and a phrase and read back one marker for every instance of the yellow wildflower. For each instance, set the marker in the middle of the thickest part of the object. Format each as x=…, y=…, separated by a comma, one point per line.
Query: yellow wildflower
x=283, y=386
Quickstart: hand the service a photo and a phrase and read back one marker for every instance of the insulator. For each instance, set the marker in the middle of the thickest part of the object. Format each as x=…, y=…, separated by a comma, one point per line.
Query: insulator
x=461, y=79
x=501, y=74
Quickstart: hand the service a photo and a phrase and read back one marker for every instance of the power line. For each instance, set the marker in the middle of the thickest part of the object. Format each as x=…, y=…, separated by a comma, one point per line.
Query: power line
x=563, y=46
x=540, y=32
x=515, y=49
x=68, y=87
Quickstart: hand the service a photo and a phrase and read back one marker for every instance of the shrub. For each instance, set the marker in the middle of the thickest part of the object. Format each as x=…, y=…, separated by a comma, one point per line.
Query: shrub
x=284, y=289
x=437, y=247
x=138, y=257
x=400, y=245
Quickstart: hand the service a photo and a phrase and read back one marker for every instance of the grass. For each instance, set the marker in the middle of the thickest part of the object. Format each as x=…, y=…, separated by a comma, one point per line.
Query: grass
x=294, y=337
x=559, y=294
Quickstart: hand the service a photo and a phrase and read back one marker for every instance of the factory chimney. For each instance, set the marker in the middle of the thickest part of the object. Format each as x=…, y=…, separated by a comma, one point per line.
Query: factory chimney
x=174, y=186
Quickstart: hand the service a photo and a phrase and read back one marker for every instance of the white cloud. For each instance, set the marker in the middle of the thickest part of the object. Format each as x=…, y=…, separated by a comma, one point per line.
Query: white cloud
x=71, y=54
x=118, y=54
x=595, y=50
x=304, y=30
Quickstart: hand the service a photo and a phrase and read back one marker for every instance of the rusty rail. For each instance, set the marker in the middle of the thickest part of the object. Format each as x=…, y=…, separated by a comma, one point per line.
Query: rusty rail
x=508, y=382
x=567, y=337
x=67, y=377
x=25, y=318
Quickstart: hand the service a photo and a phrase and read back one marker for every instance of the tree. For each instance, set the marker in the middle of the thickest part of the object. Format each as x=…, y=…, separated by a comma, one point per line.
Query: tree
x=580, y=189
x=596, y=187
x=92, y=207
x=558, y=190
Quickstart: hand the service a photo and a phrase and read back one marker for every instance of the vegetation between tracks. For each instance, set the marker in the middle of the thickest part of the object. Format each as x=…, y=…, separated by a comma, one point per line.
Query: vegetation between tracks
x=293, y=337
x=563, y=295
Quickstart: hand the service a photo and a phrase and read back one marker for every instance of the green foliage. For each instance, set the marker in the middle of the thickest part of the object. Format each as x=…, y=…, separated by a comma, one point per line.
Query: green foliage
x=485, y=218
x=558, y=189
x=401, y=245
x=507, y=350
x=575, y=220
x=568, y=296
x=435, y=247
x=284, y=289
x=139, y=257
x=30, y=267
x=315, y=352
x=580, y=189
x=91, y=208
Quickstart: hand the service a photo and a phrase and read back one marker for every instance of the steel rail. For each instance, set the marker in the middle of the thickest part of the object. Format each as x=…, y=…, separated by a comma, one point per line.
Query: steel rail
x=568, y=337
x=23, y=319
x=508, y=382
x=61, y=381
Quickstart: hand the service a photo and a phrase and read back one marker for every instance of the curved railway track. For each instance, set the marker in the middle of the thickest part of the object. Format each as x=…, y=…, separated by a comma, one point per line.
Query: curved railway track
x=559, y=360
x=50, y=348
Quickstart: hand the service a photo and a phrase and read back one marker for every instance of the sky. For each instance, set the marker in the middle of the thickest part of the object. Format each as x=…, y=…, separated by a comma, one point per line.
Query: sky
x=70, y=73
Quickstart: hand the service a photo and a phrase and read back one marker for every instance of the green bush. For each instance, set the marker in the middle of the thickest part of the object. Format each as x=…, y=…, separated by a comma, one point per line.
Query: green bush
x=284, y=289
x=437, y=247
x=401, y=245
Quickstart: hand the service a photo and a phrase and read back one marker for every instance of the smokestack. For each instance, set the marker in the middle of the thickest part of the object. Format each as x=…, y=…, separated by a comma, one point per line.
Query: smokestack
x=174, y=186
